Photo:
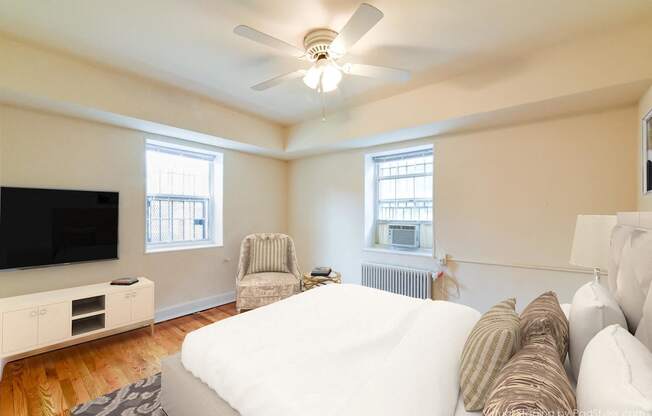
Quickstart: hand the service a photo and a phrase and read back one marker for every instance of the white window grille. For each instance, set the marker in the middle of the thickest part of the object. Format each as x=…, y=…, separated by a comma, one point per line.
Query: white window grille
x=404, y=193
x=180, y=197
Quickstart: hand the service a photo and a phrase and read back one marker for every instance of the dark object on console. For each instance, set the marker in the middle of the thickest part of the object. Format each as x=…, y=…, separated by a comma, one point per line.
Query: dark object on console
x=321, y=271
x=125, y=281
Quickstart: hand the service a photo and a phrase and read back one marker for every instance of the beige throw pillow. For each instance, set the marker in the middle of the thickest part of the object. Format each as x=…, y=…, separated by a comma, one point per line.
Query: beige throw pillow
x=546, y=307
x=268, y=255
x=490, y=345
x=534, y=381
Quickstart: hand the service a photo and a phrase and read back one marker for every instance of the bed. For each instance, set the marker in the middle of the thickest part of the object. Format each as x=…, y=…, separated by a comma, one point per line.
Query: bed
x=336, y=350
x=339, y=348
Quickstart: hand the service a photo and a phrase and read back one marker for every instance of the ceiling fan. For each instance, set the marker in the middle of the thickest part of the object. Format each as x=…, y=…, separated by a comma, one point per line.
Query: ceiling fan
x=324, y=48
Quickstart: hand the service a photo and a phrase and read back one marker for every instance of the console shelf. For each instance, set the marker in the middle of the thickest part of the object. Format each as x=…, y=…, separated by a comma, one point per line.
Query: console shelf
x=88, y=324
x=86, y=306
x=89, y=314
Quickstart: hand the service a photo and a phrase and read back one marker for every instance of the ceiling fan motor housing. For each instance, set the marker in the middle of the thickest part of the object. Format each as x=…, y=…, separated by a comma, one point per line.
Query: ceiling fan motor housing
x=317, y=42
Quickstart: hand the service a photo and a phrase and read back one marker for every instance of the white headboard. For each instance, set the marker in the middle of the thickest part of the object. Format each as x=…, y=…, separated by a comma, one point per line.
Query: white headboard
x=630, y=271
x=636, y=219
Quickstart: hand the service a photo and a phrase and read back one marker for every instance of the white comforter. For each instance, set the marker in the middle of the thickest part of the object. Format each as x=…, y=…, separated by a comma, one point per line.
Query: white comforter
x=337, y=350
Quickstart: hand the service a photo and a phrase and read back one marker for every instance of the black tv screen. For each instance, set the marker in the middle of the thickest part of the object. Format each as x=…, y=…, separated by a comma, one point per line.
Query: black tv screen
x=40, y=227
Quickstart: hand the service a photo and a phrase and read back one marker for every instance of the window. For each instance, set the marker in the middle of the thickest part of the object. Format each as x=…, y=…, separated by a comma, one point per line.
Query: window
x=183, y=207
x=400, y=190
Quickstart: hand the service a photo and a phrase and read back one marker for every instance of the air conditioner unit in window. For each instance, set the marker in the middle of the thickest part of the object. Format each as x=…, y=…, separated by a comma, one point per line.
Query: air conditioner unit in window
x=404, y=235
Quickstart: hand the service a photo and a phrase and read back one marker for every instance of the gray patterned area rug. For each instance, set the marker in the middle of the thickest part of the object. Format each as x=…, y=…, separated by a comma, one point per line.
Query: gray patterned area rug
x=140, y=398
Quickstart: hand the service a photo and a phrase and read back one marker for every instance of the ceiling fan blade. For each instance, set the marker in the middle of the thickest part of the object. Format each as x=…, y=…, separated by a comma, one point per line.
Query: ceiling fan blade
x=265, y=39
x=360, y=23
x=380, y=72
x=278, y=80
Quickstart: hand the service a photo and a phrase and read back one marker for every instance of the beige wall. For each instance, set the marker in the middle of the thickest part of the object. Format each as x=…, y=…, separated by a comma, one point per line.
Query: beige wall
x=73, y=85
x=644, y=107
x=508, y=195
x=41, y=150
x=580, y=66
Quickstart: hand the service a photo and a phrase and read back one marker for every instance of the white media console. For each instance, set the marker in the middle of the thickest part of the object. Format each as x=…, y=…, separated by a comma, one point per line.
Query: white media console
x=40, y=322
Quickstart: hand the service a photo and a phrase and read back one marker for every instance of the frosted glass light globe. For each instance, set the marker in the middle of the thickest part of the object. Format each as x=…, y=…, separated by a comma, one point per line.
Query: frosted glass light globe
x=330, y=77
x=311, y=79
x=324, y=72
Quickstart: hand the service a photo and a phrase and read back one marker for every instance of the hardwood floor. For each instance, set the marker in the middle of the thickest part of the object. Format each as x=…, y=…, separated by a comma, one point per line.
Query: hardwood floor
x=54, y=382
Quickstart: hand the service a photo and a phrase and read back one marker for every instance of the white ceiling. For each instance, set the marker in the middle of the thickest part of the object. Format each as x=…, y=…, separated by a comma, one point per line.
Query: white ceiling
x=190, y=44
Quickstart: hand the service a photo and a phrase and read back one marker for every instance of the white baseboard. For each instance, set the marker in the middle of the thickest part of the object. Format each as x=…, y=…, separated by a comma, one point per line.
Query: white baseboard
x=187, y=308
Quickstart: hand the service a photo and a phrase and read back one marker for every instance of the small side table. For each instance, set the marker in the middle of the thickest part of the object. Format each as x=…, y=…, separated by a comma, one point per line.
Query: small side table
x=309, y=282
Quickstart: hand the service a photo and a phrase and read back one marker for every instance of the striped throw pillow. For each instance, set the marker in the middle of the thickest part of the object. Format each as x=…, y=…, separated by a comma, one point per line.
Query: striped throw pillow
x=268, y=255
x=492, y=342
x=546, y=307
x=534, y=381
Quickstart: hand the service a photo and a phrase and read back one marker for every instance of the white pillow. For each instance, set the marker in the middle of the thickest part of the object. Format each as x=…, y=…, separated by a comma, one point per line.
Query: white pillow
x=593, y=309
x=634, y=276
x=644, y=330
x=566, y=307
x=616, y=375
x=619, y=237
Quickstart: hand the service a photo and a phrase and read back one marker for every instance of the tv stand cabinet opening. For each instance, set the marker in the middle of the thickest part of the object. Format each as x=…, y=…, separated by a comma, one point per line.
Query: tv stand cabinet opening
x=39, y=322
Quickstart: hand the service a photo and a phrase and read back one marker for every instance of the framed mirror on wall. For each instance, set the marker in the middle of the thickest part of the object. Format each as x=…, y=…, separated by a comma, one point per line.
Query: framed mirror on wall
x=647, y=153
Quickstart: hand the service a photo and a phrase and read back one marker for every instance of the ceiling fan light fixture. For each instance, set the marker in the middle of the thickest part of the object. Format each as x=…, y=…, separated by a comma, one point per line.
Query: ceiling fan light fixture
x=324, y=76
x=325, y=48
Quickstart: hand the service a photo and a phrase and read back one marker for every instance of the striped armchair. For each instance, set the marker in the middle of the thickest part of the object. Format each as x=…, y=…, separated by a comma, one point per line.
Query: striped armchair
x=267, y=270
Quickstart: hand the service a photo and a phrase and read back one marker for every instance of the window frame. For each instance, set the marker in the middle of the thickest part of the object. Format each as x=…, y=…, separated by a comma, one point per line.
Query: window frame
x=213, y=214
x=372, y=197
x=646, y=134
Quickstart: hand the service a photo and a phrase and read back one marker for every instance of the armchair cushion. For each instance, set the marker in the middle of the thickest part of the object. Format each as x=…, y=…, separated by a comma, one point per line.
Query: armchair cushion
x=269, y=255
x=268, y=284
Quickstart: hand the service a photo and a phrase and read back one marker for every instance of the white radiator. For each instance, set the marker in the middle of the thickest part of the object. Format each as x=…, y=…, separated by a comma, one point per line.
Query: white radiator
x=396, y=279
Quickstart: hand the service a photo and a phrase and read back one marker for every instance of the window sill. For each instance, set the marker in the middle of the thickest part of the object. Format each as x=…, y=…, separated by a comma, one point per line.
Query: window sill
x=167, y=249
x=399, y=252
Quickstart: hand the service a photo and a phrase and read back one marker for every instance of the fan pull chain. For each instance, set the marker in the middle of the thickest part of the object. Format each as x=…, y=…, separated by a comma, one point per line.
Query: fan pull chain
x=323, y=106
x=322, y=96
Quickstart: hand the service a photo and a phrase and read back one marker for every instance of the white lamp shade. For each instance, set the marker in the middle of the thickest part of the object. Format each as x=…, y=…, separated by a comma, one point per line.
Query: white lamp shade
x=592, y=241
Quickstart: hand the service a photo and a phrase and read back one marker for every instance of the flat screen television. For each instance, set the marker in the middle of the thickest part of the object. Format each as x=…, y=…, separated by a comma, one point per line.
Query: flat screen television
x=41, y=227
